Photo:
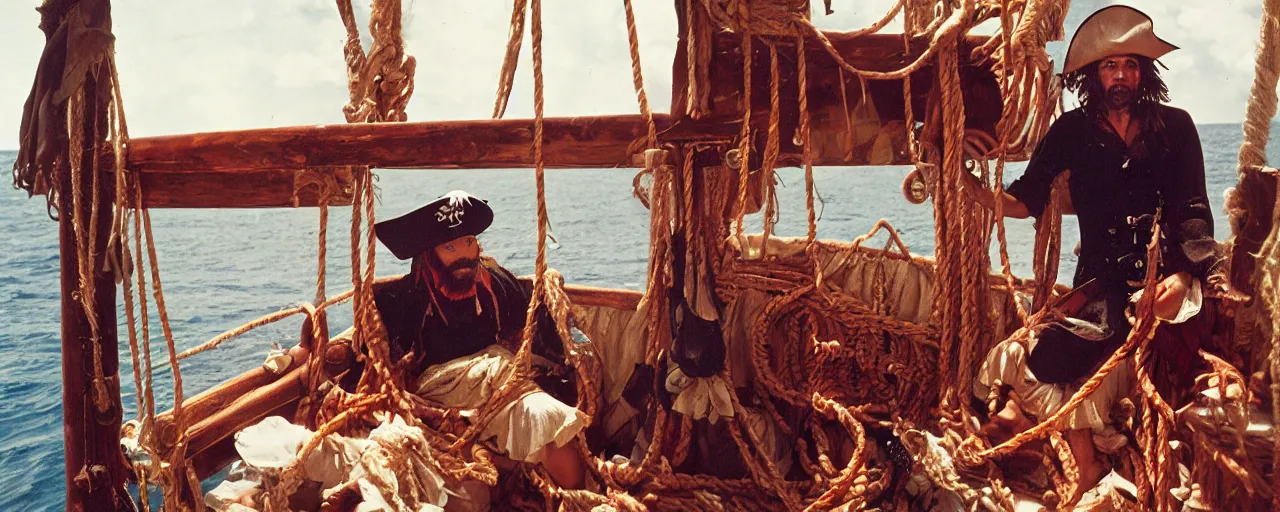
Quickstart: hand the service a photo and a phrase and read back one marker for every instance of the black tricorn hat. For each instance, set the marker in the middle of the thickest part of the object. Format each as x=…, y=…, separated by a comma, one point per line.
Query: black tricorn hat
x=454, y=215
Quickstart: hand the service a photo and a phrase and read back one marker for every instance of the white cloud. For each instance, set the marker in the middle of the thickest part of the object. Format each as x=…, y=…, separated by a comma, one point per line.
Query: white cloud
x=203, y=65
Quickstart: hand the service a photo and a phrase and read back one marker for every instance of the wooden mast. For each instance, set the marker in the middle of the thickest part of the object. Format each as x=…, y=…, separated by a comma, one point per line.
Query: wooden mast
x=95, y=470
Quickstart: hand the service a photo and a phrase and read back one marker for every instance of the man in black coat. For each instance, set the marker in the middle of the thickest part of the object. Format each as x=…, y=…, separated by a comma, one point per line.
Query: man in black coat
x=1129, y=156
x=452, y=322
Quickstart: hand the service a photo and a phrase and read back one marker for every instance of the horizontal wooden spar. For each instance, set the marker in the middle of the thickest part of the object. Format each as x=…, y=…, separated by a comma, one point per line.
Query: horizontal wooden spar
x=854, y=123
x=587, y=142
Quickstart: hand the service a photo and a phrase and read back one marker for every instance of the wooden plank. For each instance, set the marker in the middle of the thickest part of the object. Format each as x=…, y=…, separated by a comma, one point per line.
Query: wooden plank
x=274, y=188
x=204, y=405
x=247, y=410
x=215, y=457
x=198, y=408
x=590, y=142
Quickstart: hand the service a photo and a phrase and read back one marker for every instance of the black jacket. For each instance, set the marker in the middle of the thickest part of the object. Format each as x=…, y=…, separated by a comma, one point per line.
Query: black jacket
x=440, y=330
x=1113, y=187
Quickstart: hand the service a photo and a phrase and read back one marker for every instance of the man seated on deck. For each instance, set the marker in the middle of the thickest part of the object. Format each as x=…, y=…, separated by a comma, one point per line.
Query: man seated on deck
x=1128, y=156
x=448, y=321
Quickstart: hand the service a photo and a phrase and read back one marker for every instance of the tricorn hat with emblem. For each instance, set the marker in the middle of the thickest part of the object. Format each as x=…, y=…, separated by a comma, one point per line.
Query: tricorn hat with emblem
x=453, y=215
x=1114, y=30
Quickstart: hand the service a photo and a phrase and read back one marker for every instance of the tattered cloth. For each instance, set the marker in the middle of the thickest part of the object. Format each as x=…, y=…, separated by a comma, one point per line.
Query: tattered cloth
x=392, y=468
x=524, y=427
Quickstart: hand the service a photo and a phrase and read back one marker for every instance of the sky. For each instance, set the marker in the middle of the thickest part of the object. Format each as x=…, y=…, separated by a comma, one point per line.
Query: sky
x=206, y=65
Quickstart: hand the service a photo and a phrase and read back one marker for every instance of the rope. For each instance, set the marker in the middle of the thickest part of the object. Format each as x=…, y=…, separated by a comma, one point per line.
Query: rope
x=744, y=144
x=515, y=380
x=177, y=460
x=953, y=27
x=634, y=42
x=322, y=248
x=511, y=59
x=121, y=230
x=1048, y=244
x=947, y=231
x=1002, y=127
x=771, y=150
x=540, y=263
x=659, y=272
x=149, y=388
x=144, y=394
x=698, y=48
x=1257, y=131
x=85, y=237
x=264, y=320
x=805, y=134
x=380, y=86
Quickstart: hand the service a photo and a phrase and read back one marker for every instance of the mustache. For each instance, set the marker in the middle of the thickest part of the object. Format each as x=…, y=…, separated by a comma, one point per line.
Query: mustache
x=1119, y=96
x=463, y=264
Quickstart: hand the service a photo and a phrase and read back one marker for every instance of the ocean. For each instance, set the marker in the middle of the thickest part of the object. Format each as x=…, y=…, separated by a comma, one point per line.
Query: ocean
x=223, y=268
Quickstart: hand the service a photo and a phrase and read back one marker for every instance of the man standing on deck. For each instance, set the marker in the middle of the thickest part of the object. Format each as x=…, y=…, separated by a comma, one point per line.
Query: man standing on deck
x=448, y=320
x=1128, y=156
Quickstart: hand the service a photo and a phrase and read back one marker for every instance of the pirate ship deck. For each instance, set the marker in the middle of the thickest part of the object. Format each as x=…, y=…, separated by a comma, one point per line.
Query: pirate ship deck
x=834, y=344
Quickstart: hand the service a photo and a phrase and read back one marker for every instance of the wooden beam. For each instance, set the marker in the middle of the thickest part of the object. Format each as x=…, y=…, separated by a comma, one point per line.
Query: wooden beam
x=213, y=458
x=247, y=410
x=263, y=168
x=202, y=406
x=854, y=123
x=95, y=471
x=198, y=408
x=594, y=297
x=589, y=142
x=278, y=188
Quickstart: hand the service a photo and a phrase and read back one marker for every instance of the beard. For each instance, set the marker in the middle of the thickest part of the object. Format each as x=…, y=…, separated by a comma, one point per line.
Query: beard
x=1119, y=97
x=459, y=276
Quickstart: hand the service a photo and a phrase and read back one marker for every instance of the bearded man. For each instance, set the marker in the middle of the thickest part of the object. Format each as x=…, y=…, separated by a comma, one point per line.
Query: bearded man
x=448, y=320
x=1129, y=156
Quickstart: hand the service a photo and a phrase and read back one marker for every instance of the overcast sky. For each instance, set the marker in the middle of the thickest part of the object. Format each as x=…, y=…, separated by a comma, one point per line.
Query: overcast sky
x=203, y=65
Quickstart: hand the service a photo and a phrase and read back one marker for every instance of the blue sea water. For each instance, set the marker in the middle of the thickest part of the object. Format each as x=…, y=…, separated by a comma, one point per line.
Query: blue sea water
x=223, y=268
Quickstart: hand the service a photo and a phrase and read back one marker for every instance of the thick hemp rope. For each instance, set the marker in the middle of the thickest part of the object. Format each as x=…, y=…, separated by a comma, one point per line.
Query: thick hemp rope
x=633, y=40
x=1257, y=131
x=771, y=150
x=86, y=236
x=802, y=73
x=516, y=379
x=511, y=59
x=142, y=375
x=744, y=144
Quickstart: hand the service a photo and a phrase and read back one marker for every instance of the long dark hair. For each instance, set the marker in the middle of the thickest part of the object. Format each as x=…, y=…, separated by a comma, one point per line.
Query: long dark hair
x=1087, y=84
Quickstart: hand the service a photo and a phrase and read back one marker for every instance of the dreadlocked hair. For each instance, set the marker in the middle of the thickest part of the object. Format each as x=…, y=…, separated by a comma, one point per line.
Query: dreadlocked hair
x=1087, y=84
